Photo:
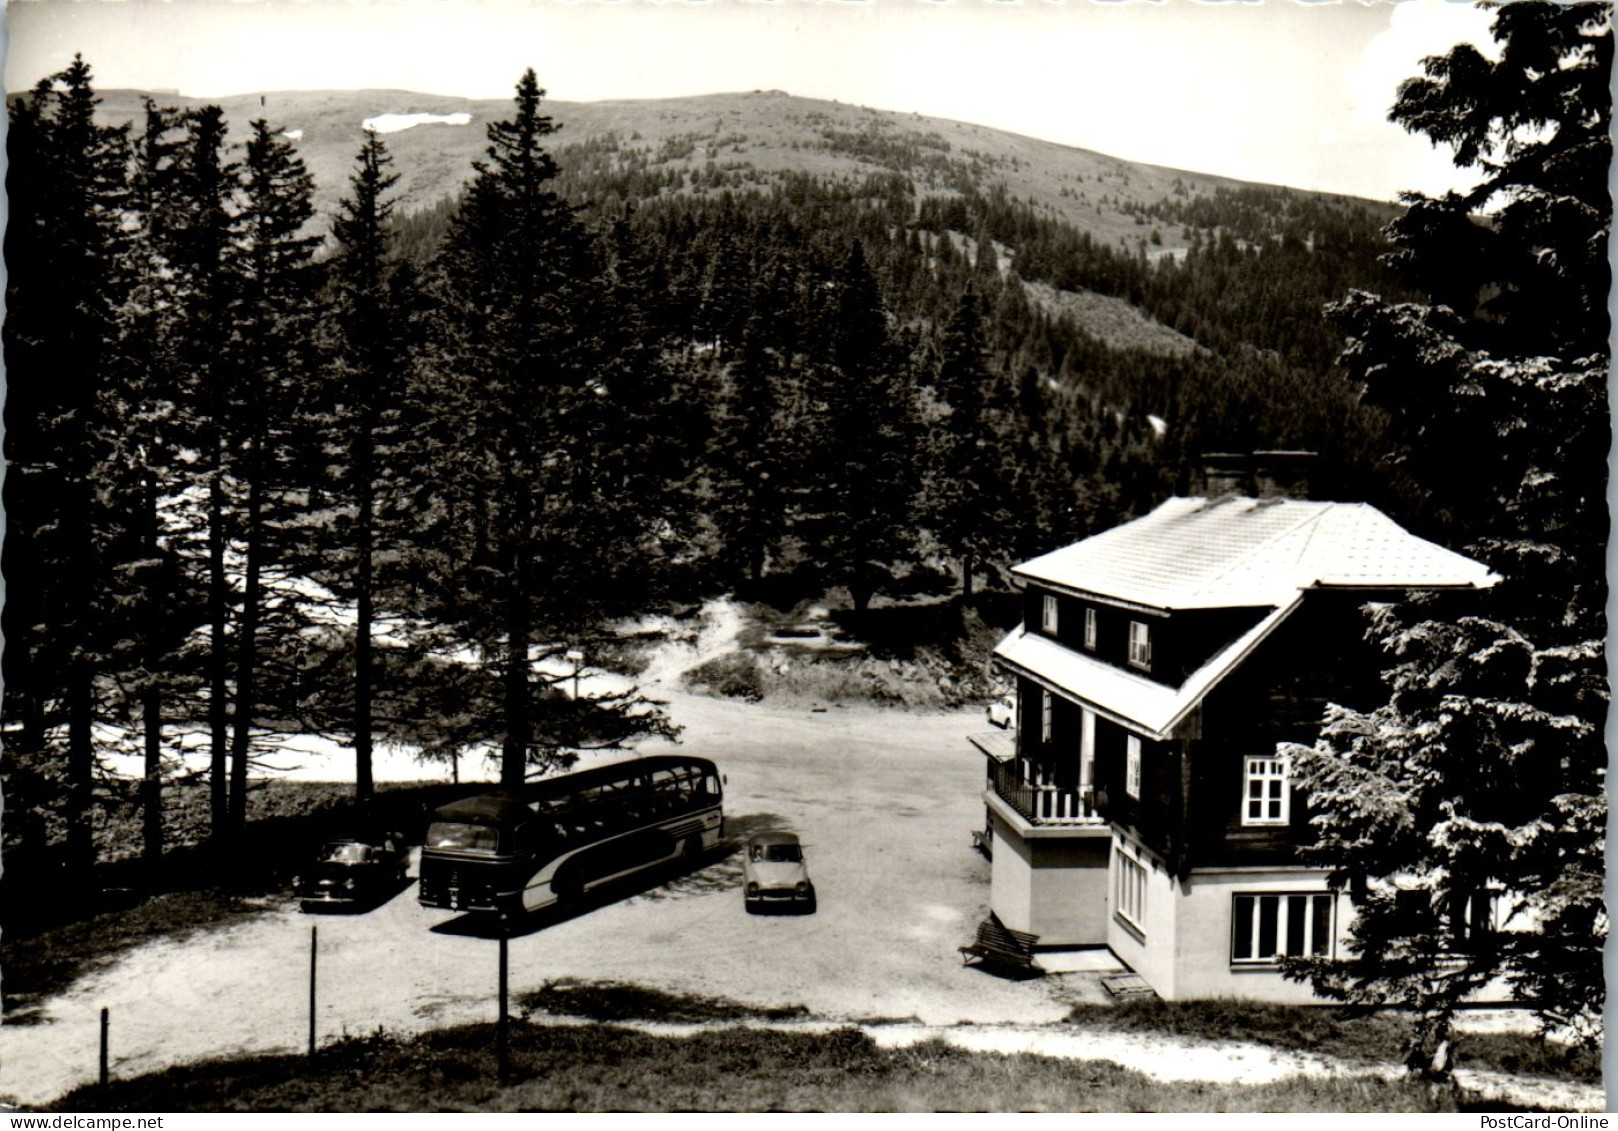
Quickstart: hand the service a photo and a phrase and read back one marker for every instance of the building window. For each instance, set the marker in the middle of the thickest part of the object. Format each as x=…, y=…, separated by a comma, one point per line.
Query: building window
x=1472, y=918
x=1047, y=614
x=1045, y=706
x=1140, y=644
x=1087, y=751
x=1129, y=895
x=1469, y=916
x=1265, y=796
x=1132, y=767
x=1266, y=928
x=1090, y=629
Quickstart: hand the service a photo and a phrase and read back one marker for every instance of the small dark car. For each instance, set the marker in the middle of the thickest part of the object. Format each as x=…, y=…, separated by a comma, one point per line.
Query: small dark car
x=356, y=871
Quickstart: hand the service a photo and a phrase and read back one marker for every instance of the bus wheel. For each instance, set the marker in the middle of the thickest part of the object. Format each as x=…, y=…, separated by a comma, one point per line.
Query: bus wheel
x=692, y=848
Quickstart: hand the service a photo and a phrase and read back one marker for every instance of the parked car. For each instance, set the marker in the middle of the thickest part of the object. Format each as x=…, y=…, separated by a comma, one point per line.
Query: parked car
x=1003, y=711
x=773, y=872
x=355, y=871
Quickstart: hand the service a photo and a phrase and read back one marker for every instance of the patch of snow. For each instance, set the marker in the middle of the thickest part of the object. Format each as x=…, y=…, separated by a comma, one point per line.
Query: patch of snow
x=293, y=757
x=1159, y=425
x=393, y=123
x=292, y=135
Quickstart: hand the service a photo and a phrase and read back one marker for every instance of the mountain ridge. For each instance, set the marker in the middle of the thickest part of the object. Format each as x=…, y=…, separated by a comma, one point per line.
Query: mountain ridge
x=767, y=133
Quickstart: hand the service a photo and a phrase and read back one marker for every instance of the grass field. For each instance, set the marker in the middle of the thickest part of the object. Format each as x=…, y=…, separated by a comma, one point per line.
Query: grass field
x=605, y=1068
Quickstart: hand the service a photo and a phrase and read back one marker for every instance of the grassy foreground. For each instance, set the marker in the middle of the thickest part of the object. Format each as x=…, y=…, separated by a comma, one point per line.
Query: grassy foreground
x=605, y=1068
x=1366, y=1040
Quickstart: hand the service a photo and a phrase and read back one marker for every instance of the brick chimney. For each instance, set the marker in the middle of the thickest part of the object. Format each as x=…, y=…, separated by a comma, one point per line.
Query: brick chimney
x=1262, y=475
x=1225, y=473
x=1283, y=474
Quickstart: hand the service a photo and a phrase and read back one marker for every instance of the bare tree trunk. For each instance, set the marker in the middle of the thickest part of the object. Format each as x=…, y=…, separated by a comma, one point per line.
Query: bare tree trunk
x=363, y=784
x=80, y=766
x=80, y=675
x=247, y=642
x=514, y=759
x=151, y=785
x=151, y=696
x=218, y=666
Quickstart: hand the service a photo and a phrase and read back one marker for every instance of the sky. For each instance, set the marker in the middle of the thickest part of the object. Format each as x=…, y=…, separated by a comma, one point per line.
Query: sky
x=1276, y=91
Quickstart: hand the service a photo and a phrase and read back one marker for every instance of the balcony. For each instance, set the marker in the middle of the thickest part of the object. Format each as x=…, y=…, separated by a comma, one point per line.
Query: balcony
x=1030, y=791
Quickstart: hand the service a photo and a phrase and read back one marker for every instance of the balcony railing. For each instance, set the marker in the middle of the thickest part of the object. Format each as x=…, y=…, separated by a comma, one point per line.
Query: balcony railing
x=1028, y=788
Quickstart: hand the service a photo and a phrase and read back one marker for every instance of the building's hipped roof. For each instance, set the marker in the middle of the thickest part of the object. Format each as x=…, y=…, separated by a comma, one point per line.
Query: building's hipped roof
x=1230, y=552
x=1134, y=700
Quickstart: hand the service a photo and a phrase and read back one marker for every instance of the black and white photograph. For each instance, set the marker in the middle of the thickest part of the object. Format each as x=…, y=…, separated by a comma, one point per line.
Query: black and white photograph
x=818, y=556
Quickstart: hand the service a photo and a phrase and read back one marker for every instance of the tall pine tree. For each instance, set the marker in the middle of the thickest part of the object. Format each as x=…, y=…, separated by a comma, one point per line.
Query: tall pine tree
x=1470, y=809
x=859, y=521
x=64, y=253
x=973, y=478
x=270, y=371
x=527, y=533
x=368, y=319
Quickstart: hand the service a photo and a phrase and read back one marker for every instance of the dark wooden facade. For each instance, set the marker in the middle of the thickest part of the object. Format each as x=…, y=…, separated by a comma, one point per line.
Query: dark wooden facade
x=1189, y=810
x=1181, y=643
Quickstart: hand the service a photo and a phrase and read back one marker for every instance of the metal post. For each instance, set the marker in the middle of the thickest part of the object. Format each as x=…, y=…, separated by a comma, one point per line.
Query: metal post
x=104, y=1024
x=314, y=951
x=502, y=1042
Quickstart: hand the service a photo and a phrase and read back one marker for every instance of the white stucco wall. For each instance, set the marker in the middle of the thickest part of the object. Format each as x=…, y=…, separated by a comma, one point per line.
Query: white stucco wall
x=1051, y=886
x=1010, y=877
x=1205, y=912
x=1187, y=953
x=1070, y=905
x=1153, y=958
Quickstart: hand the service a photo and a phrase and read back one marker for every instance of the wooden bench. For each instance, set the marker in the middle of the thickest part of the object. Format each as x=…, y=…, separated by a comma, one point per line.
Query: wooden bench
x=1000, y=946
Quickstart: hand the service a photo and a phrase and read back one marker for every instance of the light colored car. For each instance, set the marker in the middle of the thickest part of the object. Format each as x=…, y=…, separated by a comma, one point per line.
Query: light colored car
x=773, y=872
x=1003, y=711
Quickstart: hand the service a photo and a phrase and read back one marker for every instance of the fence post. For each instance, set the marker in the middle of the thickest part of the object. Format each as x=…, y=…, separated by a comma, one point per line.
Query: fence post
x=104, y=1025
x=314, y=951
x=503, y=1036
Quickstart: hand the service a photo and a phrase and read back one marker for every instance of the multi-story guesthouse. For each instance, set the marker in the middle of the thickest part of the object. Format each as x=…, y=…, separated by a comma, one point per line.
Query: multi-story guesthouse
x=1141, y=803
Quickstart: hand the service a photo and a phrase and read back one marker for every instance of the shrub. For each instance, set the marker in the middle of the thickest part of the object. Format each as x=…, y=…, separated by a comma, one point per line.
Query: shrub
x=734, y=675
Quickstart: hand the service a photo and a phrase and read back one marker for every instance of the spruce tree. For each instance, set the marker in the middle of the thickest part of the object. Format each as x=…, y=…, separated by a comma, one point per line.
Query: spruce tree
x=749, y=459
x=1468, y=812
x=200, y=251
x=859, y=522
x=368, y=321
x=972, y=483
x=64, y=248
x=147, y=446
x=273, y=318
x=527, y=540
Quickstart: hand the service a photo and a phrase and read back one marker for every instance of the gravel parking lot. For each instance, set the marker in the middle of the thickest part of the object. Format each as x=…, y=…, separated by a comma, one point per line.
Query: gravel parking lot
x=884, y=800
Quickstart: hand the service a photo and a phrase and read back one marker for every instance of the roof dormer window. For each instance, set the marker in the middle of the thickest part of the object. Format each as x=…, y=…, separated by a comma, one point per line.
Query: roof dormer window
x=1140, y=645
x=1047, y=614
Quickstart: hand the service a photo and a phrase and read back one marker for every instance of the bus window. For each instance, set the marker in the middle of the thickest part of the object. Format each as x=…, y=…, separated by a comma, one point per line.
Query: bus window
x=710, y=786
x=454, y=834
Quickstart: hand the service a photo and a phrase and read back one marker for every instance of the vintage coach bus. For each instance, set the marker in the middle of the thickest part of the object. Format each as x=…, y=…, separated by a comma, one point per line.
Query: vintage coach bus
x=511, y=851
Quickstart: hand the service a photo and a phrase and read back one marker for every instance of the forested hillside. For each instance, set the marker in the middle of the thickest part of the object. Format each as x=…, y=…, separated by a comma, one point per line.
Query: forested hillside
x=296, y=449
